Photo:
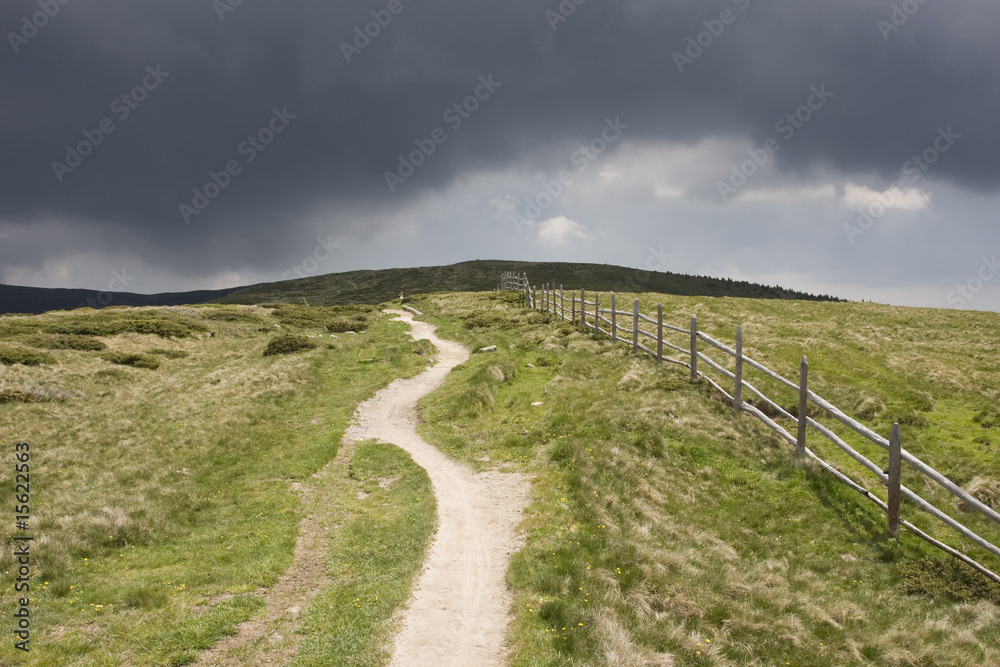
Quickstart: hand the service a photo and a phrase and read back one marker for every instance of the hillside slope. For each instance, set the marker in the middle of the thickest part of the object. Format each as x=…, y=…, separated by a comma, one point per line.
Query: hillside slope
x=482, y=275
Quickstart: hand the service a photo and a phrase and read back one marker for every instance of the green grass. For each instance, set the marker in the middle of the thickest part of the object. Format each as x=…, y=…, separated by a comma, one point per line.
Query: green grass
x=162, y=503
x=665, y=527
x=374, y=558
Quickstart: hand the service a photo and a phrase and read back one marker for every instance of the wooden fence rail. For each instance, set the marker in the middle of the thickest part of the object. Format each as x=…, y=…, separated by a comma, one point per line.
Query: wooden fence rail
x=592, y=316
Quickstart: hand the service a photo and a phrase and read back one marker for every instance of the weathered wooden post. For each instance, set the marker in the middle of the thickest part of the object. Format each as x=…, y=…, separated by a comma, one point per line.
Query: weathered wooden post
x=562, y=303
x=659, y=333
x=572, y=305
x=895, y=459
x=614, y=320
x=534, y=298
x=800, y=441
x=694, y=347
x=635, y=326
x=583, y=308
x=597, y=313
x=738, y=388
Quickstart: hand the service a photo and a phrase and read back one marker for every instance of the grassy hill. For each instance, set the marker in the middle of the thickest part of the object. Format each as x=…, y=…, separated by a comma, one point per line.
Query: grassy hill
x=374, y=287
x=173, y=461
x=668, y=530
x=172, y=458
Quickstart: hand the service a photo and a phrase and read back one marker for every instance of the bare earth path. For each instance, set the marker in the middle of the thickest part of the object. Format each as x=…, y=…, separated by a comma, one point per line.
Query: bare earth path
x=458, y=614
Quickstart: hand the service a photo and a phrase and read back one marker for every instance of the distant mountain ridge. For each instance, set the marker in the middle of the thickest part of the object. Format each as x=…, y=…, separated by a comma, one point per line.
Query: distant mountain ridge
x=377, y=286
x=36, y=300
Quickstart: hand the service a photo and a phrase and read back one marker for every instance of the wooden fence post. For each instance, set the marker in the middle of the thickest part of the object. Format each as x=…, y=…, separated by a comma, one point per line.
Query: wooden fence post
x=694, y=347
x=738, y=388
x=597, y=312
x=895, y=459
x=572, y=305
x=635, y=326
x=800, y=441
x=614, y=320
x=562, y=303
x=534, y=298
x=659, y=333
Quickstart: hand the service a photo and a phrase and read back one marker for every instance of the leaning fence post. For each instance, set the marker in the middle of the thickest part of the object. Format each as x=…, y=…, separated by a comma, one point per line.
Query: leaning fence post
x=583, y=308
x=895, y=458
x=635, y=326
x=562, y=303
x=534, y=298
x=614, y=320
x=572, y=305
x=738, y=388
x=659, y=333
x=694, y=347
x=800, y=441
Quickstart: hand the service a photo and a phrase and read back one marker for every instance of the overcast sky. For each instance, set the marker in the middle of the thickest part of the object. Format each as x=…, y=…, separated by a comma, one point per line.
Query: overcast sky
x=846, y=147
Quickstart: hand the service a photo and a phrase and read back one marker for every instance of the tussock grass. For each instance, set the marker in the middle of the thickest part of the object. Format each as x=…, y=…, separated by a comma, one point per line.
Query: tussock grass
x=132, y=359
x=665, y=529
x=162, y=503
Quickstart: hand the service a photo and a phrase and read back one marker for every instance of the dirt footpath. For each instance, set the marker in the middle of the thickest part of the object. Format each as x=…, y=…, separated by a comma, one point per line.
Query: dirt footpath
x=458, y=613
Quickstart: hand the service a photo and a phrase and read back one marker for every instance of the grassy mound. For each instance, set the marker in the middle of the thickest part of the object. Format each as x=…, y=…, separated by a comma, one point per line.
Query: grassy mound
x=287, y=344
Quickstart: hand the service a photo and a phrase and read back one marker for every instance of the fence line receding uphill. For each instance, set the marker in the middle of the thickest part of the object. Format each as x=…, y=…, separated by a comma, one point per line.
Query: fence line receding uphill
x=625, y=326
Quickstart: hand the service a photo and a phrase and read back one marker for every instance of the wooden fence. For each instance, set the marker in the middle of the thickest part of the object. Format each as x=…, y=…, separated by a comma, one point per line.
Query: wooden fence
x=626, y=326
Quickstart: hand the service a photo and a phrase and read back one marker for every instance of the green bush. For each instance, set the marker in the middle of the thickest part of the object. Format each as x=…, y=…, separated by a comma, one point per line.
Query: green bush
x=335, y=319
x=488, y=319
x=66, y=342
x=287, y=344
x=10, y=355
x=231, y=315
x=111, y=323
x=169, y=354
x=130, y=359
x=340, y=326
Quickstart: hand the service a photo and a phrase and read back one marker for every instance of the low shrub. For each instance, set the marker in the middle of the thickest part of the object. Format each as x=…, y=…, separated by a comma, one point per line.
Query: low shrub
x=484, y=319
x=105, y=323
x=10, y=354
x=66, y=342
x=169, y=354
x=287, y=344
x=131, y=359
x=340, y=326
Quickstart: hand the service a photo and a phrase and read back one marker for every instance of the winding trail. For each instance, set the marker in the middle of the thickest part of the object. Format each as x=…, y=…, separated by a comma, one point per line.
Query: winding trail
x=458, y=614
x=459, y=611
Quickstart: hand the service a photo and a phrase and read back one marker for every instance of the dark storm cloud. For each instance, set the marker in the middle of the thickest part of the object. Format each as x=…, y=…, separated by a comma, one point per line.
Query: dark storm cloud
x=562, y=68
